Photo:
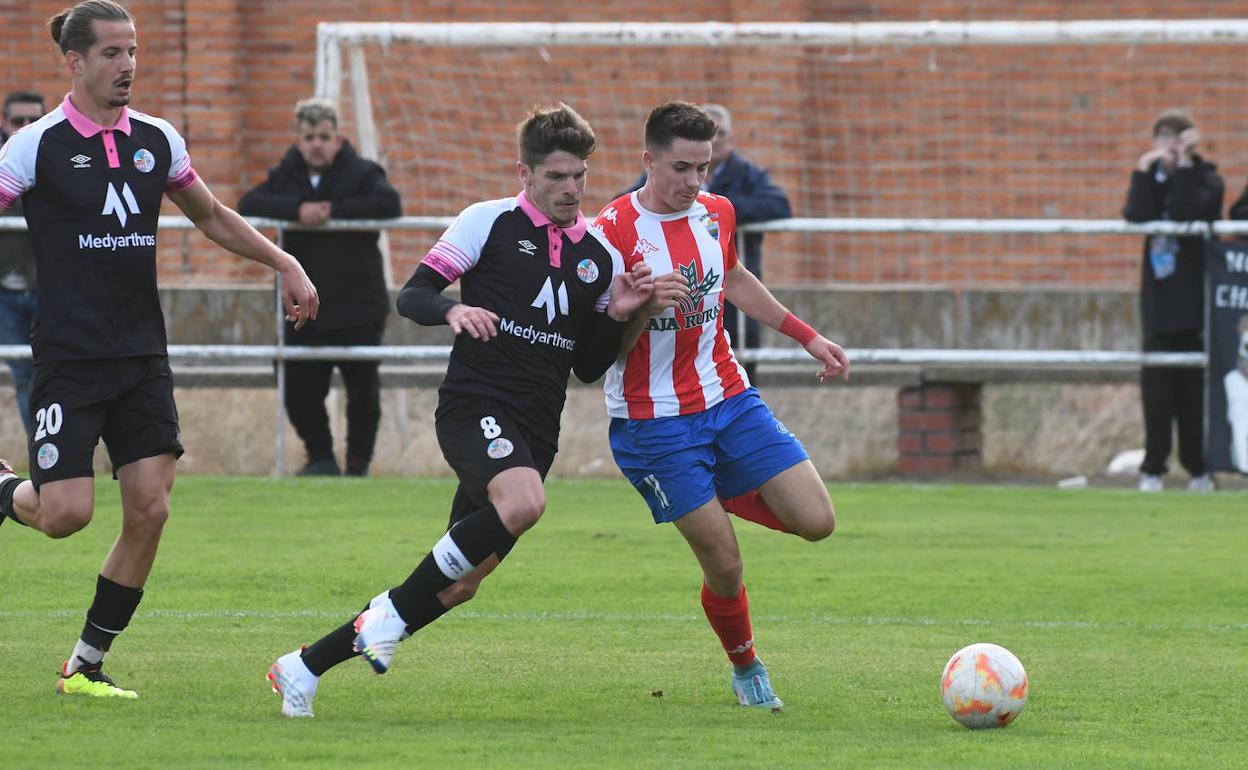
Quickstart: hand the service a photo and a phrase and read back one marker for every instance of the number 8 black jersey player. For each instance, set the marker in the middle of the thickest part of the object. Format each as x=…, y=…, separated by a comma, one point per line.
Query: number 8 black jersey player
x=91, y=175
x=543, y=294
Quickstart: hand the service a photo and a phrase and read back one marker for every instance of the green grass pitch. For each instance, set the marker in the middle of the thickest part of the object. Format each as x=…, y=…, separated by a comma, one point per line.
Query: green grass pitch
x=1128, y=611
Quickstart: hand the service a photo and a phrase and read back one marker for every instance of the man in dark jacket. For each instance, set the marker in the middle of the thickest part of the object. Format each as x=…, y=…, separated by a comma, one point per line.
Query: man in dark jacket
x=1171, y=181
x=756, y=199
x=17, y=261
x=322, y=177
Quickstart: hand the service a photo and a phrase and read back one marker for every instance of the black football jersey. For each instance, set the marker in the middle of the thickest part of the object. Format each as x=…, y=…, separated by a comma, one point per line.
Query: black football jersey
x=91, y=197
x=541, y=280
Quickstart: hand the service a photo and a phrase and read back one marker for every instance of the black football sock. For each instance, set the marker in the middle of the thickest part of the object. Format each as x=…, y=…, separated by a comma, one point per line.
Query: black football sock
x=331, y=649
x=460, y=550
x=7, y=488
x=110, y=612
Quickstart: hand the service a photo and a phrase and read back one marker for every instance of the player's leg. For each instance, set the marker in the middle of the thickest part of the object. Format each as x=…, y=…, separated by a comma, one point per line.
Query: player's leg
x=143, y=439
x=500, y=487
x=709, y=534
x=516, y=501
x=671, y=464
x=69, y=404
x=764, y=474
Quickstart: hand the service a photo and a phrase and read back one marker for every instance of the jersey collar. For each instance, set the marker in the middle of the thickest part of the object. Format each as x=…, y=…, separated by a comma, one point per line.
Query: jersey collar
x=88, y=127
x=575, y=233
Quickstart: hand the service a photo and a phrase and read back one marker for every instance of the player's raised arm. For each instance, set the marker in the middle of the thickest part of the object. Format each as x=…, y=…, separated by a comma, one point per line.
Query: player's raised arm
x=229, y=230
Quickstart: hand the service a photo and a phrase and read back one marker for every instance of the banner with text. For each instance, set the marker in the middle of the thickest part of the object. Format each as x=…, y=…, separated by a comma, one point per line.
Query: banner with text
x=1226, y=394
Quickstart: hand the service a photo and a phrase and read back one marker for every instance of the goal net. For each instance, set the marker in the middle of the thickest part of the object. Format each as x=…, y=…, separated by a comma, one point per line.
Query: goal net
x=989, y=120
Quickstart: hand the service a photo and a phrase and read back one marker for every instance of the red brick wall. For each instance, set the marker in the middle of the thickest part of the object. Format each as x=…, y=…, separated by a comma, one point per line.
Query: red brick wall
x=1045, y=132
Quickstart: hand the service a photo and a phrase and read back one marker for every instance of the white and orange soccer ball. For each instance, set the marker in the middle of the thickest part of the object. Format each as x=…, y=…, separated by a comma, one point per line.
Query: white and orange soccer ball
x=983, y=685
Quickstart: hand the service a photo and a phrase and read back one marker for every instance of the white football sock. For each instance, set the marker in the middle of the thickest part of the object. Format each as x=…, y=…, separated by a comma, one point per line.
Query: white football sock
x=86, y=652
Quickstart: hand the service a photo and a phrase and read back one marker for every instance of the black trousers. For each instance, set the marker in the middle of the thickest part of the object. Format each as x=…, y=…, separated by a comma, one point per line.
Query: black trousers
x=1170, y=395
x=307, y=385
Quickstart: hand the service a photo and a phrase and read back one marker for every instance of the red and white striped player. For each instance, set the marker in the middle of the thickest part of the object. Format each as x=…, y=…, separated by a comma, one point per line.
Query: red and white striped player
x=687, y=428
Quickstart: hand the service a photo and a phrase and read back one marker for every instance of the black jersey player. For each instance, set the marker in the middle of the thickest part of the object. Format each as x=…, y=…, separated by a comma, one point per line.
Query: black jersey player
x=91, y=175
x=543, y=294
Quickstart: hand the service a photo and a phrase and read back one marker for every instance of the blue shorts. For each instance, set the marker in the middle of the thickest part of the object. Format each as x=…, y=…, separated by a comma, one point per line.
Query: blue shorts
x=679, y=463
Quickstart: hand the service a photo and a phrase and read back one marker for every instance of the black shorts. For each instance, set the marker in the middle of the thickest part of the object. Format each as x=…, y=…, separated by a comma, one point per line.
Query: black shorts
x=482, y=438
x=73, y=404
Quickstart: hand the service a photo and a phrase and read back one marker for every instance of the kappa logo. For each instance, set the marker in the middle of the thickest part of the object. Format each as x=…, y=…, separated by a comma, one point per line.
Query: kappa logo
x=610, y=215
x=113, y=204
x=644, y=247
x=528, y=247
x=81, y=161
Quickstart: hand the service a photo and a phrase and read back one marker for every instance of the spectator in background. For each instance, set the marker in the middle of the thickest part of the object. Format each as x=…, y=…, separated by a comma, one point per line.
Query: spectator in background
x=17, y=261
x=1172, y=181
x=322, y=177
x=756, y=198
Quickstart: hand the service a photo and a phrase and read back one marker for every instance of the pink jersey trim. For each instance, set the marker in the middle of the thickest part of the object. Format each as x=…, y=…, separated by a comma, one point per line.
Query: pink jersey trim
x=88, y=127
x=182, y=181
x=447, y=260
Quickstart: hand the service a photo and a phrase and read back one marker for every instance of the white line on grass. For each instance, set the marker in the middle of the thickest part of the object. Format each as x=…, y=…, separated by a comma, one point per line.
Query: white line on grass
x=658, y=617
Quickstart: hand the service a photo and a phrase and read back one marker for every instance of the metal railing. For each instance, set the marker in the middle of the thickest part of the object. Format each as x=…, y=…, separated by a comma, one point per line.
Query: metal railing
x=279, y=352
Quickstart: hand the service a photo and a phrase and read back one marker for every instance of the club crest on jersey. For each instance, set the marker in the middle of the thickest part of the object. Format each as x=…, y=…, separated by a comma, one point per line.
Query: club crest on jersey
x=81, y=161
x=710, y=220
x=499, y=448
x=587, y=271
x=144, y=160
x=698, y=288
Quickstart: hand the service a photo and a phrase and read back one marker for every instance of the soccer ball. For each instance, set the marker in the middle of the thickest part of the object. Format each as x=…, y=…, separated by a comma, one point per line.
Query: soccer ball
x=983, y=685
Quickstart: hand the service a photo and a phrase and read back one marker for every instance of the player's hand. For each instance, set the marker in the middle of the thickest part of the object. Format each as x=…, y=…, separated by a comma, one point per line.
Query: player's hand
x=298, y=294
x=630, y=291
x=313, y=212
x=476, y=322
x=835, y=362
x=668, y=289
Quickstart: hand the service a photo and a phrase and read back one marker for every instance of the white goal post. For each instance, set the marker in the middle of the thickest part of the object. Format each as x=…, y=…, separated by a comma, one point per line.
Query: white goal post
x=996, y=129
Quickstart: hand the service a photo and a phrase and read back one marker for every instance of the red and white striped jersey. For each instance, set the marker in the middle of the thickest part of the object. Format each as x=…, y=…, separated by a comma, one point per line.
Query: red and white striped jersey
x=683, y=362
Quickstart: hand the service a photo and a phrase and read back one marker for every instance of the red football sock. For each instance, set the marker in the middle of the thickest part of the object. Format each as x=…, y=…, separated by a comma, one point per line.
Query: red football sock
x=752, y=507
x=730, y=619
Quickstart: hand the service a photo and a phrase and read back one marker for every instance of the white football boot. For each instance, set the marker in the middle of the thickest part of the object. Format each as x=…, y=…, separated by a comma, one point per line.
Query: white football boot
x=378, y=631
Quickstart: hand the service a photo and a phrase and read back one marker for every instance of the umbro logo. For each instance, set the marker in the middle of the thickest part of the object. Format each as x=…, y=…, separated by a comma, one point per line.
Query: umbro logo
x=81, y=161
x=113, y=203
x=528, y=247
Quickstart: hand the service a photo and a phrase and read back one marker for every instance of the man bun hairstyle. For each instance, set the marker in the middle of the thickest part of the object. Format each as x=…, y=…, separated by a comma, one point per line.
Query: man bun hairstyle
x=73, y=28
x=552, y=128
x=678, y=120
